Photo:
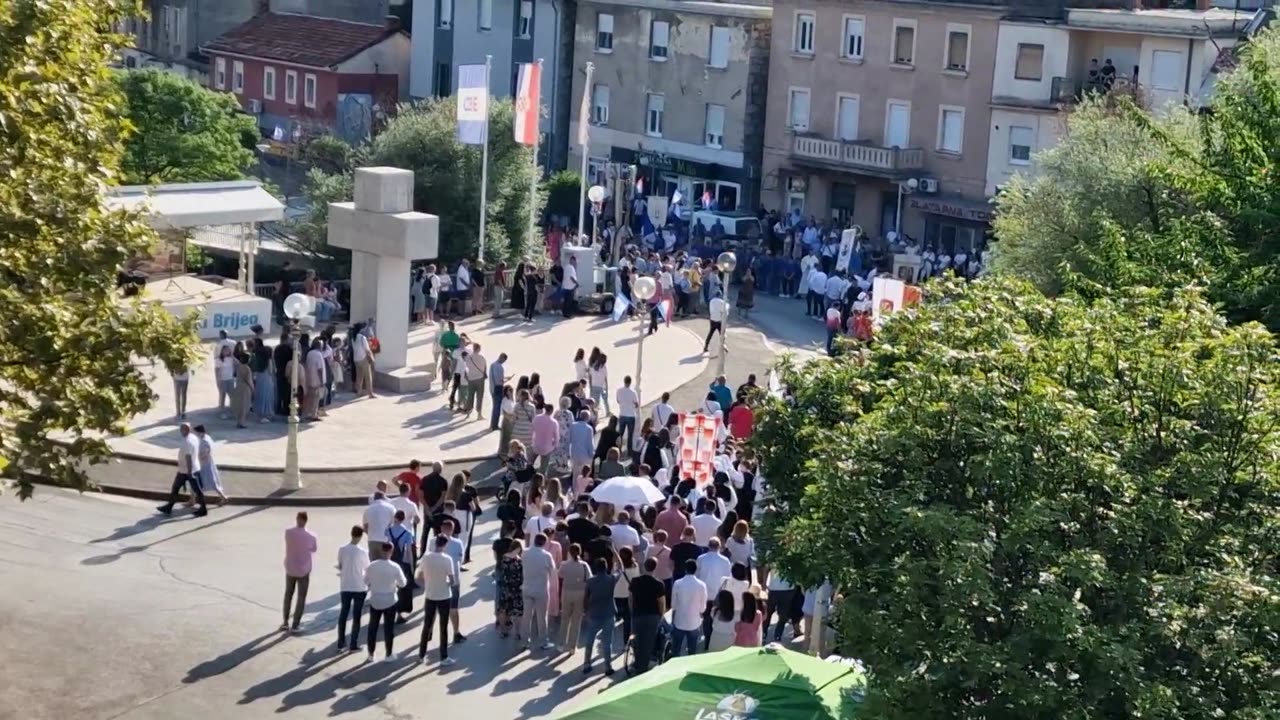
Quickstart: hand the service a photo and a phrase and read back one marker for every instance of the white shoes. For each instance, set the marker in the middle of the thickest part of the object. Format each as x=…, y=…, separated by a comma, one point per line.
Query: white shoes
x=448, y=662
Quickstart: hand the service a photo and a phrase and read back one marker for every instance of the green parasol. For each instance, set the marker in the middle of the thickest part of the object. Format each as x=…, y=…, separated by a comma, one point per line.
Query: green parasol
x=770, y=683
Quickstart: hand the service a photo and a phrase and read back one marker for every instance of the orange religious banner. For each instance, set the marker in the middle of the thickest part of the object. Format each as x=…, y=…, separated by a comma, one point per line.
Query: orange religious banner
x=697, y=447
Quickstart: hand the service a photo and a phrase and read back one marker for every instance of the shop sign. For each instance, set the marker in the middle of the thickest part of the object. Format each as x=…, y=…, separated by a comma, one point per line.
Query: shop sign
x=672, y=164
x=962, y=211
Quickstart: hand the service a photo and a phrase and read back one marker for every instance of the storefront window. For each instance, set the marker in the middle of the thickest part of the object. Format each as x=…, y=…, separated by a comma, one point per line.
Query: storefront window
x=842, y=197
x=952, y=235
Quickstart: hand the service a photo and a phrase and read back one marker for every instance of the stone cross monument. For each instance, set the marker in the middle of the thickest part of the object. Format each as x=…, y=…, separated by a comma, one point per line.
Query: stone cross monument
x=384, y=236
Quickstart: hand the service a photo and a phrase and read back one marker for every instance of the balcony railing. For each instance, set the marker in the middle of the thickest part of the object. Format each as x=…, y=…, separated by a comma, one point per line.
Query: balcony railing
x=1066, y=90
x=858, y=155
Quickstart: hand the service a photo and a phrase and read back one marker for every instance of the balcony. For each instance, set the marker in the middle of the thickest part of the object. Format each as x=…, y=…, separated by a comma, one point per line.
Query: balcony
x=857, y=157
x=1065, y=90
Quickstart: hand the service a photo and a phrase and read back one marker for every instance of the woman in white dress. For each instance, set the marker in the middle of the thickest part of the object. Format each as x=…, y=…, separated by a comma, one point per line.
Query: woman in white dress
x=723, y=617
x=210, y=480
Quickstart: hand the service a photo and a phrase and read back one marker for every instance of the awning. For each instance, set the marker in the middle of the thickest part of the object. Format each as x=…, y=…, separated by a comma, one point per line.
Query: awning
x=187, y=205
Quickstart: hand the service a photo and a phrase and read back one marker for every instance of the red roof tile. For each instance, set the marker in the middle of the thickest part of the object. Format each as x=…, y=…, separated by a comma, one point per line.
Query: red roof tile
x=299, y=39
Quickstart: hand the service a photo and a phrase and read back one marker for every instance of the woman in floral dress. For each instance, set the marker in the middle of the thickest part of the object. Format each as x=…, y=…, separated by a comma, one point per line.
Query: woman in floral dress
x=560, y=456
x=510, y=574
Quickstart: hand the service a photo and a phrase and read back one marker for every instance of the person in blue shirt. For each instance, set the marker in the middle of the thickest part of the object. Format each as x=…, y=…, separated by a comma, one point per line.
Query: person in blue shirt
x=582, y=441
x=724, y=395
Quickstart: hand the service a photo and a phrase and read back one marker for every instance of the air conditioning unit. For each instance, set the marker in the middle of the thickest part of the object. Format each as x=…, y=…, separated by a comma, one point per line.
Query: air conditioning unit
x=928, y=185
x=255, y=106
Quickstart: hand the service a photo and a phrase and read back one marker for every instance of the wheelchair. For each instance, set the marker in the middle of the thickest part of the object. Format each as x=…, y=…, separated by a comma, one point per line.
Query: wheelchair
x=662, y=649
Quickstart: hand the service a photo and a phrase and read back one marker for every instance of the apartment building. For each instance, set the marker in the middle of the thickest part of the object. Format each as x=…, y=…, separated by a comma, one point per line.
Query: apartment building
x=1158, y=57
x=879, y=115
x=449, y=33
x=679, y=90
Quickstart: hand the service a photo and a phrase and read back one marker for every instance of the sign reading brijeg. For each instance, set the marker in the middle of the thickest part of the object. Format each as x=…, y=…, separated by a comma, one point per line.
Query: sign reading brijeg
x=234, y=316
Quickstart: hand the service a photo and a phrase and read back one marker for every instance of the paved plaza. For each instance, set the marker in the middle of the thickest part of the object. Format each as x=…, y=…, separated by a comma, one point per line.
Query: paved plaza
x=386, y=430
x=111, y=612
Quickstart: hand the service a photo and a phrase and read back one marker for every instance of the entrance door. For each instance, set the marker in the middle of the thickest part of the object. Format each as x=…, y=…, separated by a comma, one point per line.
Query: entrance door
x=888, y=212
x=842, y=196
x=897, y=129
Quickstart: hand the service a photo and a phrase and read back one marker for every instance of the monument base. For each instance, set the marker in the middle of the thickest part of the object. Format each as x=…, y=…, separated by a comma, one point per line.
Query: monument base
x=404, y=380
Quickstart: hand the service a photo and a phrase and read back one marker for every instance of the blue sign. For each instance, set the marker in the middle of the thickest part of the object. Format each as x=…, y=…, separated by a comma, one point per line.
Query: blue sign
x=229, y=321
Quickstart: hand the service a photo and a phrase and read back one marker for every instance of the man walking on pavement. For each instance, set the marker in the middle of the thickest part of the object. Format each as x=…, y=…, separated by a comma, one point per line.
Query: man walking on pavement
x=717, y=311
x=353, y=560
x=188, y=473
x=437, y=576
x=475, y=368
x=628, y=407
x=299, y=546
x=497, y=378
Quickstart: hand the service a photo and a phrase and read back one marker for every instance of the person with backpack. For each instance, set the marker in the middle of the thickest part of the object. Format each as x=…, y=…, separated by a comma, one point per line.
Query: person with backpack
x=402, y=543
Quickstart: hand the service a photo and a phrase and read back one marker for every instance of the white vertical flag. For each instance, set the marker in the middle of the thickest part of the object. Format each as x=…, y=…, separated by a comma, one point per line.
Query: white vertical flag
x=473, y=104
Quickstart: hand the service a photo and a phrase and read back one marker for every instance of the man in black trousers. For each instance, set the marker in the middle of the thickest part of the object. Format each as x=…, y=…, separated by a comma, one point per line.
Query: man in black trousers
x=188, y=473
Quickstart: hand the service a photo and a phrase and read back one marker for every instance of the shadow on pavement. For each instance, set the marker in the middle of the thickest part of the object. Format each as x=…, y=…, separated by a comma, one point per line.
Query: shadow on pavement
x=229, y=660
x=312, y=661
x=143, y=526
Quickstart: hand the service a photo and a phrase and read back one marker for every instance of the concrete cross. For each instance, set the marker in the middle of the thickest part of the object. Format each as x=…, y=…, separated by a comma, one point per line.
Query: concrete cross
x=384, y=236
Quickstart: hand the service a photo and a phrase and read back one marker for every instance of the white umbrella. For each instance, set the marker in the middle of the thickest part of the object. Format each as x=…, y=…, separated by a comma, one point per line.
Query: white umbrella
x=627, y=490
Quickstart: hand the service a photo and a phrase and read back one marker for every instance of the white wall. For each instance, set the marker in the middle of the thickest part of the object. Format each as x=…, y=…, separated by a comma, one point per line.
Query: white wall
x=1056, y=42
x=1048, y=128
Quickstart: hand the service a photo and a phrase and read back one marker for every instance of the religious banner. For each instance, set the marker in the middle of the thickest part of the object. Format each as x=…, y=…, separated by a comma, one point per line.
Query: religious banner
x=889, y=295
x=847, y=240
x=698, y=447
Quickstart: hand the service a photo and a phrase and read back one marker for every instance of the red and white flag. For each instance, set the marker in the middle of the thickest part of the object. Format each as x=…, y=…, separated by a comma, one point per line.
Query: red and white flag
x=526, y=121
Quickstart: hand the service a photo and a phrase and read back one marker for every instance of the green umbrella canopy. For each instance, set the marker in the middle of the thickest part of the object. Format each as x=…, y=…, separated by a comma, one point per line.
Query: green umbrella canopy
x=770, y=683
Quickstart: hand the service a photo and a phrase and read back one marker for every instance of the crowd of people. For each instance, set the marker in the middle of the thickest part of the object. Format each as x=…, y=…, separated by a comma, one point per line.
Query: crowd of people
x=679, y=574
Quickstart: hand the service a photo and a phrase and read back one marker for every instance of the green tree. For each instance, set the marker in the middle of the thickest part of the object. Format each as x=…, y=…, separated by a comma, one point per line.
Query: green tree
x=1041, y=508
x=69, y=344
x=183, y=132
x=327, y=153
x=564, y=191
x=423, y=138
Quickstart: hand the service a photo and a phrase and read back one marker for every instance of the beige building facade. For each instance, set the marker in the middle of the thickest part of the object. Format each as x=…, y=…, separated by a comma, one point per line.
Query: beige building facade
x=879, y=114
x=678, y=89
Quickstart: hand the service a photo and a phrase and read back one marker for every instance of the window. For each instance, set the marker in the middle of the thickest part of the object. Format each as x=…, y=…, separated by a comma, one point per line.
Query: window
x=220, y=73
x=309, y=90
x=525, y=26
x=604, y=33
x=600, y=104
x=904, y=42
x=443, y=79
x=659, y=34
x=957, y=47
x=1166, y=70
x=718, y=57
x=950, y=129
x=444, y=13
x=237, y=77
x=798, y=110
x=897, y=125
x=847, y=111
x=1021, y=140
x=803, y=42
x=1030, y=60
x=715, y=126
x=854, y=27
x=485, y=21
x=653, y=121
x=269, y=83
x=291, y=87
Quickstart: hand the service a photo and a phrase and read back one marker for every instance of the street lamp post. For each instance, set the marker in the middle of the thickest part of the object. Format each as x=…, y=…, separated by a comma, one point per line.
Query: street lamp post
x=296, y=306
x=642, y=289
x=596, y=195
x=904, y=188
x=726, y=262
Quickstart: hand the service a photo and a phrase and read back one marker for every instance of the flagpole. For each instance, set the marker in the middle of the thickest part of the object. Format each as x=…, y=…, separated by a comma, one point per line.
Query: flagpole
x=584, y=137
x=484, y=158
x=533, y=182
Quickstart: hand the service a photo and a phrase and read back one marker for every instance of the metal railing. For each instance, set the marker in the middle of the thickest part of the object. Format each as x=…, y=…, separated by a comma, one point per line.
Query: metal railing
x=857, y=154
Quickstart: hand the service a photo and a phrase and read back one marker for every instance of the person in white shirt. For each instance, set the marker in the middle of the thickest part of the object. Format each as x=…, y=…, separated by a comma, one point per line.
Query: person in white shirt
x=817, y=286
x=462, y=285
x=569, y=287
x=362, y=357
x=834, y=289
x=405, y=504
x=539, y=524
x=717, y=311
x=705, y=523
x=710, y=406
x=688, y=606
x=781, y=596
x=436, y=571
x=378, y=519
x=622, y=534
x=944, y=263
x=188, y=473
x=384, y=579
x=806, y=269
x=475, y=370
x=353, y=560
x=713, y=568
x=662, y=411
x=628, y=407
x=539, y=569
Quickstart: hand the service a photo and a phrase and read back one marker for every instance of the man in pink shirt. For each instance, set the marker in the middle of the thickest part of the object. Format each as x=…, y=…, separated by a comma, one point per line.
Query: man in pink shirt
x=546, y=435
x=672, y=519
x=299, y=546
